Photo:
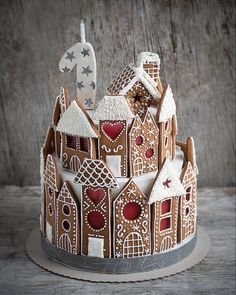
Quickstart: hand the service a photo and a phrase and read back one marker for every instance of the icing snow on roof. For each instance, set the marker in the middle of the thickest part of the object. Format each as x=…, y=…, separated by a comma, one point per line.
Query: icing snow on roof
x=148, y=57
x=113, y=108
x=95, y=173
x=77, y=122
x=167, y=106
x=167, y=183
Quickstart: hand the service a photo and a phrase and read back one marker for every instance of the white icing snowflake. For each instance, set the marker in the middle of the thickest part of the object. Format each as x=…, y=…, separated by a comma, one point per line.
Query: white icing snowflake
x=146, y=238
x=147, y=251
x=135, y=153
x=118, y=255
x=131, y=191
x=151, y=166
x=151, y=143
x=135, y=227
x=119, y=242
x=120, y=202
x=145, y=215
x=137, y=127
x=150, y=131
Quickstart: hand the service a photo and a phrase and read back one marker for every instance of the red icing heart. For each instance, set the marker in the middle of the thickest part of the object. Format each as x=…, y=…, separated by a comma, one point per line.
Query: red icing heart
x=112, y=130
x=95, y=194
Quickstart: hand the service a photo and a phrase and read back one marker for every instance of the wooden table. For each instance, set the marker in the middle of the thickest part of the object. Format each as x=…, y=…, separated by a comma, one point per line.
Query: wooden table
x=19, y=214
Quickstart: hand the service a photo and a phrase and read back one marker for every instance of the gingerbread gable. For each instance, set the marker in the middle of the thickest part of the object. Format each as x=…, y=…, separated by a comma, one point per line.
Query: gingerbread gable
x=76, y=121
x=167, y=108
x=113, y=108
x=95, y=173
x=188, y=174
x=51, y=176
x=166, y=184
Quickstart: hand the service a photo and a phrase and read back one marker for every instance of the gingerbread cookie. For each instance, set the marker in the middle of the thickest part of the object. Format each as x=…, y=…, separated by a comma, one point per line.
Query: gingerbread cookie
x=164, y=196
x=97, y=181
x=52, y=186
x=113, y=112
x=79, y=136
x=143, y=145
x=132, y=233
x=67, y=220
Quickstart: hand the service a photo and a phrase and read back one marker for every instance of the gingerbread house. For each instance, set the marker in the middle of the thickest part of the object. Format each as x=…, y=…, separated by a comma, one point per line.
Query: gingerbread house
x=167, y=124
x=79, y=136
x=62, y=102
x=113, y=113
x=132, y=232
x=67, y=220
x=140, y=84
x=97, y=181
x=164, y=196
x=51, y=189
x=143, y=145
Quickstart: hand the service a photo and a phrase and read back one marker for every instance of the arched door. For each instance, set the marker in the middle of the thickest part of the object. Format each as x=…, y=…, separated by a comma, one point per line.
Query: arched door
x=133, y=245
x=138, y=166
x=65, y=243
x=166, y=244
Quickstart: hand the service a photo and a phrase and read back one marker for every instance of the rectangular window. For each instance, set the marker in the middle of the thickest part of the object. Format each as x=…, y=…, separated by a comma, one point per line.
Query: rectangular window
x=166, y=206
x=84, y=144
x=71, y=142
x=188, y=193
x=165, y=223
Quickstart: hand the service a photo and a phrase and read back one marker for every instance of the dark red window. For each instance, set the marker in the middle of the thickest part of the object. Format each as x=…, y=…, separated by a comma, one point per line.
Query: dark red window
x=66, y=209
x=66, y=225
x=188, y=193
x=187, y=211
x=139, y=140
x=149, y=153
x=50, y=191
x=84, y=144
x=50, y=209
x=166, y=141
x=165, y=206
x=71, y=141
x=96, y=220
x=131, y=211
x=165, y=223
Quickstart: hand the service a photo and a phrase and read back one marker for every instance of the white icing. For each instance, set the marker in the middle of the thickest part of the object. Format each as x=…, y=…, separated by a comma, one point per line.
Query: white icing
x=168, y=107
x=146, y=80
x=95, y=247
x=148, y=57
x=113, y=108
x=49, y=231
x=167, y=175
x=114, y=164
x=75, y=122
x=145, y=181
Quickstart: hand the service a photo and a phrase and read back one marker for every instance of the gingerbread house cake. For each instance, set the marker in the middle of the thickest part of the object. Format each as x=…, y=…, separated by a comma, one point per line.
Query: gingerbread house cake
x=116, y=183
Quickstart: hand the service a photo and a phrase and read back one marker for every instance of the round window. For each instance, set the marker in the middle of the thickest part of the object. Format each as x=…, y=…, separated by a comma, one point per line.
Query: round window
x=96, y=220
x=66, y=225
x=139, y=140
x=66, y=209
x=131, y=211
x=149, y=153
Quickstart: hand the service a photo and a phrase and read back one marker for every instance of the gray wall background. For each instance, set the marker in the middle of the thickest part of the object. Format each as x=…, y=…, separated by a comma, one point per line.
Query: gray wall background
x=195, y=41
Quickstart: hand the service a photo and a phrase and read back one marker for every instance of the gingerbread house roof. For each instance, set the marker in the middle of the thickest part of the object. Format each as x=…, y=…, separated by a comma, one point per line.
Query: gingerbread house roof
x=67, y=194
x=113, y=107
x=188, y=173
x=148, y=57
x=132, y=190
x=167, y=107
x=166, y=184
x=133, y=74
x=51, y=176
x=95, y=173
x=76, y=121
x=147, y=119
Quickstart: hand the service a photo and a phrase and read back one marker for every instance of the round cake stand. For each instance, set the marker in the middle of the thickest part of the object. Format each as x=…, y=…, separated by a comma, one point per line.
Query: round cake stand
x=37, y=254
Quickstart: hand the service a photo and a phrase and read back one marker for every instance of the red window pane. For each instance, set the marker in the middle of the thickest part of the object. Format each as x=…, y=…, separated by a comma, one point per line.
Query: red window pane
x=139, y=140
x=165, y=223
x=84, y=144
x=165, y=206
x=95, y=194
x=188, y=193
x=187, y=211
x=131, y=211
x=71, y=141
x=96, y=220
x=149, y=153
x=113, y=130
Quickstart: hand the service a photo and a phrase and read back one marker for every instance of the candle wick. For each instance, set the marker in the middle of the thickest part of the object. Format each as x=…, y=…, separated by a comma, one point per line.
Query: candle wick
x=82, y=32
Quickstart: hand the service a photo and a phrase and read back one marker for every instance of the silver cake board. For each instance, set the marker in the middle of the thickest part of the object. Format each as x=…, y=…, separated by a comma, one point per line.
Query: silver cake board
x=38, y=255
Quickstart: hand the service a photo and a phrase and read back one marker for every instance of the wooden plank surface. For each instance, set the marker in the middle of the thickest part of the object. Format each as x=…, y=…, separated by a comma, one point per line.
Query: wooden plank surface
x=195, y=40
x=19, y=212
